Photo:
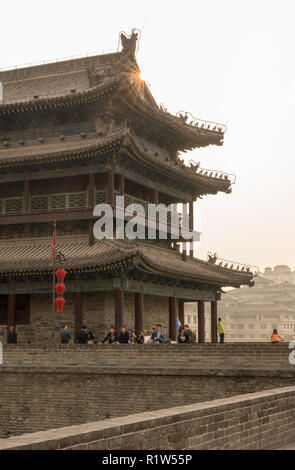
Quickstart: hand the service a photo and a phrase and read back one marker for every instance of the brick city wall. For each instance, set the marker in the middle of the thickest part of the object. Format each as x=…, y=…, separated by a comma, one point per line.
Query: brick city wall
x=263, y=420
x=253, y=355
x=99, y=315
x=43, y=397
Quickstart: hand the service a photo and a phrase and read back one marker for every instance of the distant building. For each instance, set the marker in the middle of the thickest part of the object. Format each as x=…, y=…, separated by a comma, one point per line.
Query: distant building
x=250, y=314
x=279, y=274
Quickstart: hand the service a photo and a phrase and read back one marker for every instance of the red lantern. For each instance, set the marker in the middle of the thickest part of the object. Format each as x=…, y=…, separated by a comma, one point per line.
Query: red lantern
x=59, y=302
x=60, y=274
x=60, y=288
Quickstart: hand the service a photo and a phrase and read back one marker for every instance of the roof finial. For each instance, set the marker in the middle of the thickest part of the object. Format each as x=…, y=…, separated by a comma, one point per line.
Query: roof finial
x=129, y=43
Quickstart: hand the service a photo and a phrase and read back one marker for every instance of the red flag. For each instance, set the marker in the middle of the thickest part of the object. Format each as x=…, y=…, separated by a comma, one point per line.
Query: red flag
x=53, y=245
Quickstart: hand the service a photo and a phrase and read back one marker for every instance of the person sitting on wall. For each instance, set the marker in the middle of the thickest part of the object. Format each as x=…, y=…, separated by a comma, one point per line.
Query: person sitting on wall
x=140, y=337
x=111, y=337
x=65, y=335
x=146, y=337
x=12, y=336
x=186, y=335
x=158, y=335
x=133, y=337
x=82, y=336
x=91, y=338
x=124, y=336
x=275, y=337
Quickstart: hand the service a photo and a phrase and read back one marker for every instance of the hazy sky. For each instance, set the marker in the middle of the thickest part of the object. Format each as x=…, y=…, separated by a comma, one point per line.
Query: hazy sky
x=226, y=61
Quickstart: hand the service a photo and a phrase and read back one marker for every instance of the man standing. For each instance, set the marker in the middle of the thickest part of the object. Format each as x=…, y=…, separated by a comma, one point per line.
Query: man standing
x=12, y=336
x=220, y=330
x=65, y=335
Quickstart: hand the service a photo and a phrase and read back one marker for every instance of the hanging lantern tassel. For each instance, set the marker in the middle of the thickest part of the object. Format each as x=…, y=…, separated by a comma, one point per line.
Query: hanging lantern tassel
x=60, y=274
x=60, y=288
x=59, y=302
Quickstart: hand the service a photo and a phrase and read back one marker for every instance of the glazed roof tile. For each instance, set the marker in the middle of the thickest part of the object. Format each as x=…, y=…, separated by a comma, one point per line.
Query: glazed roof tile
x=34, y=256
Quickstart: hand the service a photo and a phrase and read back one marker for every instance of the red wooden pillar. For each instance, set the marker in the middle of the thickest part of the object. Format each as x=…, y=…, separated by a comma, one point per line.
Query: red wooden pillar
x=201, y=321
x=119, y=309
x=172, y=318
x=214, y=322
x=121, y=185
x=27, y=196
x=91, y=187
x=111, y=187
x=181, y=311
x=138, y=298
x=11, y=309
x=78, y=312
x=90, y=233
x=156, y=196
x=191, y=226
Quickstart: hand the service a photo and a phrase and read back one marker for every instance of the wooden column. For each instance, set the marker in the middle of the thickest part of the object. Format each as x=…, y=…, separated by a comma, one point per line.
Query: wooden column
x=78, y=312
x=119, y=310
x=191, y=226
x=138, y=300
x=11, y=309
x=121, y=185
x=91, y=188
x=111, y=187
x=181, y=311
x=172, y=318
x=27, y=195
x=90, y=233
x=201, y=321
x=214, y=322
x=156, y=196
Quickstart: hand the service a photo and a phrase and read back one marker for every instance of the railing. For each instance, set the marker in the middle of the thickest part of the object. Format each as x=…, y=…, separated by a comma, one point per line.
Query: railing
x=11, y=205
x=59, y=201
x=72, y=200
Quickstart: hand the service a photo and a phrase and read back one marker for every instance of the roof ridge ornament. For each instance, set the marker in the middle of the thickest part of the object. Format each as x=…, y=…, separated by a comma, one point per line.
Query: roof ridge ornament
x=130, y=43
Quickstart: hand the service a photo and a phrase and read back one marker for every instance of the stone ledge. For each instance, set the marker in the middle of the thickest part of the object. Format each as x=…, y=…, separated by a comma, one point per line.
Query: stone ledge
x=222, y=371
x=102, y=434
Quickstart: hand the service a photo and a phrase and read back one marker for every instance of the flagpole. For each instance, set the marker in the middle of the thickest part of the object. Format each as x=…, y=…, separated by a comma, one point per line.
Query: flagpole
x=53, y=283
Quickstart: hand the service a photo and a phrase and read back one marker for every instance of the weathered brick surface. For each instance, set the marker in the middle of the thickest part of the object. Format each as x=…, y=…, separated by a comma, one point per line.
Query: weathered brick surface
x=37, y=398
x=207, y=425
x=99, y=315
x=252, y=355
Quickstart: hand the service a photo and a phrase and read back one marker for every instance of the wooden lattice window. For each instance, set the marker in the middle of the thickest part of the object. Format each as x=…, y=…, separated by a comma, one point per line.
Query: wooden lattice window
x=3, y=309
x=22, y=314
x=39, y=203
x=12, y=204
x=100, y=196
x=77, y=200
x=58, y=201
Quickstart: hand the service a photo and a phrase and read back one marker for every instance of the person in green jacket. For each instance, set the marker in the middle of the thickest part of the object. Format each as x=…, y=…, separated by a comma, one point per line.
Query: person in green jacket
x=220, y=330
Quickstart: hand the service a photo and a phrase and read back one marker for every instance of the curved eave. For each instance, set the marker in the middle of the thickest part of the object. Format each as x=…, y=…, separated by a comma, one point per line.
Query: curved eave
x=223, y=278
x=203, y=184
x=123, y=138
x=192, y=137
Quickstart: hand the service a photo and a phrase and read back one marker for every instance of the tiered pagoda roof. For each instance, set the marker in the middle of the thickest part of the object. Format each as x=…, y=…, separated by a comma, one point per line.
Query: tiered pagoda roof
x=27, y=258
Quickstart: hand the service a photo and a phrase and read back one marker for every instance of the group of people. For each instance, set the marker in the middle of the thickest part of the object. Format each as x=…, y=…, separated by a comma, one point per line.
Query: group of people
x=155, y=336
